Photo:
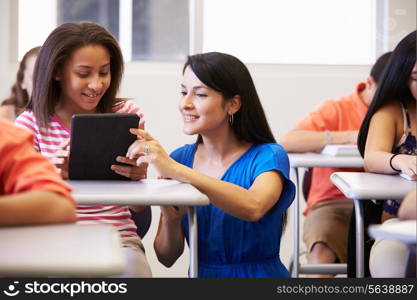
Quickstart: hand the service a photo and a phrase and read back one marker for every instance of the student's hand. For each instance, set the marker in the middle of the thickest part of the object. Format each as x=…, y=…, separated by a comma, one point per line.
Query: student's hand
x=133, y=171
x=61, y=158
x=407, y=164
x=148, y=150
x=353, y=137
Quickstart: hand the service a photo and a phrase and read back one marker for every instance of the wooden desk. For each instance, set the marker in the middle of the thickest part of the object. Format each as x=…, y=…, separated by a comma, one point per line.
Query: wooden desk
x=60, y=250
x=145, y=192
x=315, y=160
x=365, y=186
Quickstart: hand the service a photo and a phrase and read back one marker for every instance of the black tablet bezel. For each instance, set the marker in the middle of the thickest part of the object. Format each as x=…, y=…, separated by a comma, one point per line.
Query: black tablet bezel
x=96, y=141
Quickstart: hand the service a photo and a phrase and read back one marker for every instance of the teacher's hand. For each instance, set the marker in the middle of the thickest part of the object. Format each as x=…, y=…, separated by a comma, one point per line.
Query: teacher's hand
x=147, y=150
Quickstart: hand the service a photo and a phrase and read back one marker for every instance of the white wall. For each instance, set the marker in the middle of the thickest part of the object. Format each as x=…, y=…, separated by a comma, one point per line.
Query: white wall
x=8, y=65
x=287, y=92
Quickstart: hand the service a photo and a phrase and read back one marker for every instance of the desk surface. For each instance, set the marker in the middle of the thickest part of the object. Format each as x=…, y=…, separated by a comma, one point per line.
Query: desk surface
x=403, y=231
x=143, y=192
x=312, y=160
x=357, y=185
x=60, y=250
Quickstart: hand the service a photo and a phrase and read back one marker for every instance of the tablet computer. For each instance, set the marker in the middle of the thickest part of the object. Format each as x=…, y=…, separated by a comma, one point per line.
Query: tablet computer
x=96, y=141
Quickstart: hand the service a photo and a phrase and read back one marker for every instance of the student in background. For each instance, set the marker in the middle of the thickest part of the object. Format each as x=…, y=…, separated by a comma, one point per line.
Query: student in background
x=21, y=90
x=387, y=141
x=78, y=71
x=328, y=211
x=235, y=162
x=31, y=192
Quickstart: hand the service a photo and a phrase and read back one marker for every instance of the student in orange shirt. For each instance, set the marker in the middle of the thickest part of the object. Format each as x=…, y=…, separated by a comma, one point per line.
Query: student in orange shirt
x=31, y=191
x=333, y=122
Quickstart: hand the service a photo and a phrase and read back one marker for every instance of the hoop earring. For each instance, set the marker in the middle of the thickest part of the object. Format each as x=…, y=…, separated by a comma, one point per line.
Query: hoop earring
x=231, y=120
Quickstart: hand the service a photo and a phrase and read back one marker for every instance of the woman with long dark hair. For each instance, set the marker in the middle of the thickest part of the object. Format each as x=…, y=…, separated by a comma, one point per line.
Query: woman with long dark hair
x=235, y=162
x=387, y=141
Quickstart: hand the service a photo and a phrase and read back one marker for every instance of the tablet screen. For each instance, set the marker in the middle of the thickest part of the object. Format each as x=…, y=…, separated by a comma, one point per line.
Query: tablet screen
x=96, y=141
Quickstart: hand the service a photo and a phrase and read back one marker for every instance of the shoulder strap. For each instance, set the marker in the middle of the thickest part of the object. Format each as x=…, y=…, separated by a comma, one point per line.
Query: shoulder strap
x=406, y=118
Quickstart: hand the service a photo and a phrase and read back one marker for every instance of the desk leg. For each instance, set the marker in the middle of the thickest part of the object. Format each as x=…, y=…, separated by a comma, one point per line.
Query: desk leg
x=296, y=227
x=192, y=223
x=359, y=238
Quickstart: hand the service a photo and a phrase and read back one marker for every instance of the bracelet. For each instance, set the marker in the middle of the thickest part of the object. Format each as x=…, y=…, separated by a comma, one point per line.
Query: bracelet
x=390, y=163
x=329, y=137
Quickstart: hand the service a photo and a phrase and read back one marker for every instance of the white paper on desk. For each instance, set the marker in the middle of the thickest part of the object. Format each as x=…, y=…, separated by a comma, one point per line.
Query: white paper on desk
x=406, y=176
x=340, y=150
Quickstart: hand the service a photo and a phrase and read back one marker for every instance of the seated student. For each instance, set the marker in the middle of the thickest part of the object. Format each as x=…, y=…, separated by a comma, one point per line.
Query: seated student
x=387, y=140
x=78, y=71
x=402, y=260
x=22, y=89
x=31, y=192
x=235, y=162
x=333, y=122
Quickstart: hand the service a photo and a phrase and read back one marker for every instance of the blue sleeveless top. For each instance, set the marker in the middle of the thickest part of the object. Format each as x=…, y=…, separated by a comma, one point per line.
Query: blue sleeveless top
x=229, y=247
x=406, y=145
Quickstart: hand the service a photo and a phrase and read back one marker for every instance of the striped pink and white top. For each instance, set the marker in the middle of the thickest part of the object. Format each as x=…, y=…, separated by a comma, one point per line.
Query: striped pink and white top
x=48, y=142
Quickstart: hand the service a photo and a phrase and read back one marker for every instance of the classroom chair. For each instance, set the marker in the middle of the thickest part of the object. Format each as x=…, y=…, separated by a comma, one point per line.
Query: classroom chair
x=143, y=220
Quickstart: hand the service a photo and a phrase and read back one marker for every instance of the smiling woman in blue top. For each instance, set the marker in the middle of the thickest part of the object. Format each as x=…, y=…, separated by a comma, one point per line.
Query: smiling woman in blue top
x=235, y=162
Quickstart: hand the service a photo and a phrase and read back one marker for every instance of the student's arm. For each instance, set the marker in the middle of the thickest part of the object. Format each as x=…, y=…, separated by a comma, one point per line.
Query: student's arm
x=169, y=240
x=249, y=205
x=309, y=134
x=35, y=207
x=380, y=142
x=31, y=190
x=298, y=140
x=408, y=207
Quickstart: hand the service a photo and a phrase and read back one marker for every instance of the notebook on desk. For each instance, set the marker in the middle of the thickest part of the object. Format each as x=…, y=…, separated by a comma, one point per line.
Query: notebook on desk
x=96, y=141
x=340, y=150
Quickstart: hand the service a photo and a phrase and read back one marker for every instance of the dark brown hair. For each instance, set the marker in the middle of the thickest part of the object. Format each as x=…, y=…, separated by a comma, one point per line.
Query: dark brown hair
x=18, y=96
x=229, y=76
x=56, y=51
x=393, y=83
